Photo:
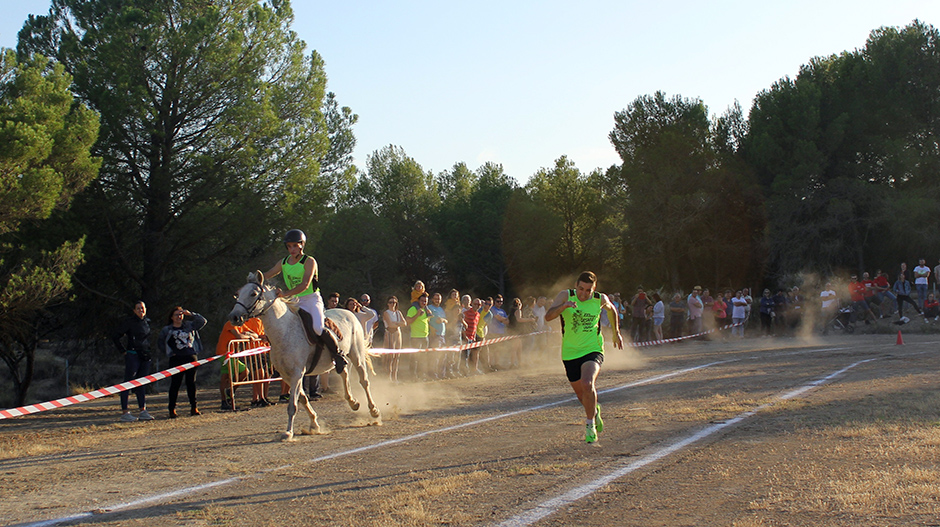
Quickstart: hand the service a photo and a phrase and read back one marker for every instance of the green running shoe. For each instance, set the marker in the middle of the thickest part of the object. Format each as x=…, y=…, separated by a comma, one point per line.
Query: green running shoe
x=598, y=422
x=590, y=433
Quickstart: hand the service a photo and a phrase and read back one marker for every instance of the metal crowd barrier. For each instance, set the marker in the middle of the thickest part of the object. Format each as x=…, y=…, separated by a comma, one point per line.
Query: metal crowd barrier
x=254, y=355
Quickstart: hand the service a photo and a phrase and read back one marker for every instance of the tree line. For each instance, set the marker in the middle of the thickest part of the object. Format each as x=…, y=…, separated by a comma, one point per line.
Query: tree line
x=191, y=134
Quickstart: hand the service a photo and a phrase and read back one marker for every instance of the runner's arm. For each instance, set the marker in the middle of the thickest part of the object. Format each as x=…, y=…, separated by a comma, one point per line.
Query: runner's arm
x=558, y=305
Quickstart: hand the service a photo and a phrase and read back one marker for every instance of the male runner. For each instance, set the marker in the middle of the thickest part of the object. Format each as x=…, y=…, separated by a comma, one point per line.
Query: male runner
x=582, y=344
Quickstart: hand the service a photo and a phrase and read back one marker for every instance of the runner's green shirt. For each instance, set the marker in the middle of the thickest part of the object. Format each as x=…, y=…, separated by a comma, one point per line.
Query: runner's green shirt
x=581, y=327
x=294, y=274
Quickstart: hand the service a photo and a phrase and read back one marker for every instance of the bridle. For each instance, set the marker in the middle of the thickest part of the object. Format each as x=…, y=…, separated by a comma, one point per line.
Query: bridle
x=249, y=308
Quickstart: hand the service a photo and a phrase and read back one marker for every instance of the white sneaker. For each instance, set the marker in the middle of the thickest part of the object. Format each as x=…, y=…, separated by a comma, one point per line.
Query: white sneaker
x=145, y=416
x=590, y=432
x=128, y=418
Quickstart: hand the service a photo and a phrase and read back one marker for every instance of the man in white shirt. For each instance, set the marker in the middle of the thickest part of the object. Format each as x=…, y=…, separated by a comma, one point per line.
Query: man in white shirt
x=538, y=311
x=373, y=321
x=696, y=306
x=921, y=273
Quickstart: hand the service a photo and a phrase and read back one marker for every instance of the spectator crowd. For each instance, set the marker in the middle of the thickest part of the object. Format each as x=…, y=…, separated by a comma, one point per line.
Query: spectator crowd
x=434, y=320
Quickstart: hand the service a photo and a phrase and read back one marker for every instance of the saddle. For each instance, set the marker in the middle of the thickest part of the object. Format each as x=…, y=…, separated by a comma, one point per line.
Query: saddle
x=312, y=337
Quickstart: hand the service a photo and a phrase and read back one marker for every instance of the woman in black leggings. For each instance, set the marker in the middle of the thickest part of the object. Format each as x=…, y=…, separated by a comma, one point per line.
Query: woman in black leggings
x=179, y=340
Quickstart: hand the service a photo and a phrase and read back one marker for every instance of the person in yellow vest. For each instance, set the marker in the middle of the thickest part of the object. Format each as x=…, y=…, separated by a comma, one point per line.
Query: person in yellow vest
x=299, y=272
x=582, y=343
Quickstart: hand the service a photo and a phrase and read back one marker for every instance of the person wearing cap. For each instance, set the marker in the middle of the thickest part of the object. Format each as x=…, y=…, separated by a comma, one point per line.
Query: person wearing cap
x=299, y=272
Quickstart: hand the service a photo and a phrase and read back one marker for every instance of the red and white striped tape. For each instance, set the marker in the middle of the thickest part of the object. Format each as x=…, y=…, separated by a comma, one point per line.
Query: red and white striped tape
x=486, y=342
x=462, y=347
x=118, y=388
x=253, y=351
x=677, y=339
x=103, y=392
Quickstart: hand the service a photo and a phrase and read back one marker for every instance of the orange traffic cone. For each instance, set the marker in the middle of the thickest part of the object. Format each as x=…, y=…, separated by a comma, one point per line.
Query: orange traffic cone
x=900, y=340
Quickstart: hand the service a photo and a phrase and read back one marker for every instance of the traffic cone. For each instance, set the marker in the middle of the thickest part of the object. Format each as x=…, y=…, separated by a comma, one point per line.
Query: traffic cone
x=900, y=340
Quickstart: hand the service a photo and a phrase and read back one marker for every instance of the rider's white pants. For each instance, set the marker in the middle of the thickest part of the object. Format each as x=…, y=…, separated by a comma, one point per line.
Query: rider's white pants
x=313, y=304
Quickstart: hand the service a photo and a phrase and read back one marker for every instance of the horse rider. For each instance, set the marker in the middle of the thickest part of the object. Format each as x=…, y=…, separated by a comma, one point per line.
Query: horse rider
x=299, y=272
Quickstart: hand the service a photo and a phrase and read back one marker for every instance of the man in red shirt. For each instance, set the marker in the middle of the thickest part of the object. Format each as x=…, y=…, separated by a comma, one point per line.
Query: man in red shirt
x=857, y=292
x=883, y=289
x=871, y=288
x=470, y=318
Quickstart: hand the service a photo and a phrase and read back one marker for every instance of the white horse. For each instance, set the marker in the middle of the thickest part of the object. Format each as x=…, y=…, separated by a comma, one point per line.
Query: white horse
x=292, y=355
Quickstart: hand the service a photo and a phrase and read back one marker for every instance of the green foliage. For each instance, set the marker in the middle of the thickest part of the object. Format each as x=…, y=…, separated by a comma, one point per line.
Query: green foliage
x=689, y=213
x=213, y=134
x=44, y=163
x=581, y=219
x=27, y=289
x=359, y=254
x=398, y=191
x=469, y=224
x=844, y=151
x=44, y=160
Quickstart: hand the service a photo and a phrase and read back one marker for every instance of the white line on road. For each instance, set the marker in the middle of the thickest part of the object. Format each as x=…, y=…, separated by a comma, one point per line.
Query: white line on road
x=555, y=504
x=158, y=498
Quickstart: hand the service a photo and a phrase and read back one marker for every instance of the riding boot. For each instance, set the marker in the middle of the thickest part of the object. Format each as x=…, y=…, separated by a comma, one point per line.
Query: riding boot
x=326, y=338
x=339, y=358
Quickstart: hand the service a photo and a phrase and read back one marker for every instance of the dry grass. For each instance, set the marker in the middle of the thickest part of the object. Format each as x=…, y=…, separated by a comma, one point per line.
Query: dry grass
x=14, y=446
x=547, y=469
x=712, y=408
x=878, y=457
x=414, y=503
x=24, y=444
x=209, y=515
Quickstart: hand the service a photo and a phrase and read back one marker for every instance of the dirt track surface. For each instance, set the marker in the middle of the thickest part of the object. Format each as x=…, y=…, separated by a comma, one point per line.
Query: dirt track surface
x=743, y=433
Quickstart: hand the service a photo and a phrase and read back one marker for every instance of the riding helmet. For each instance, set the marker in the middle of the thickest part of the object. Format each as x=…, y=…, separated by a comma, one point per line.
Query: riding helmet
x=295, y=236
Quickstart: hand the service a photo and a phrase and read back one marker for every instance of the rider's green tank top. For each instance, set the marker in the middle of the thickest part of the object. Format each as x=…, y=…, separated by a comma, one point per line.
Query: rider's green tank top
x=581, y=327
x=294, y=274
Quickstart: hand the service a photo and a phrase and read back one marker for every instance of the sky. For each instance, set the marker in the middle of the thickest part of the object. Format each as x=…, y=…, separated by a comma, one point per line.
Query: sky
x=522, y=83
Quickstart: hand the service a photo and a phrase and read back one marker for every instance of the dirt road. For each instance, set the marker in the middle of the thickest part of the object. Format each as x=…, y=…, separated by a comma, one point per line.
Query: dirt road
x=841, y=431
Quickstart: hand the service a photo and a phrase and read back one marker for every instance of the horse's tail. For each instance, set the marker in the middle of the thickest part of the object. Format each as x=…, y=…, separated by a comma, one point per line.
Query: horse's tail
x=368, y=359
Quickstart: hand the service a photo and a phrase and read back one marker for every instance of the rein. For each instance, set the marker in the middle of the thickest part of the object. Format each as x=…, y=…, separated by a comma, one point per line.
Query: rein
x=250, y=308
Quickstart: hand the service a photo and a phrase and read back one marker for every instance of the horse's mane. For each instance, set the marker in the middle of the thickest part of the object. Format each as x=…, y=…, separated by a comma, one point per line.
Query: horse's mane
x=291, y=302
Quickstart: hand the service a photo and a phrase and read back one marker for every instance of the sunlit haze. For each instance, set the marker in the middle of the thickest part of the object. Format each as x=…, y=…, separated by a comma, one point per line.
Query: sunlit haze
x=523, y=83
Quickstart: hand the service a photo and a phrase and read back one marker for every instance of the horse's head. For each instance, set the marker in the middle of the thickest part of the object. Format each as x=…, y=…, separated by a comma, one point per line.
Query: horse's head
x=250, y=301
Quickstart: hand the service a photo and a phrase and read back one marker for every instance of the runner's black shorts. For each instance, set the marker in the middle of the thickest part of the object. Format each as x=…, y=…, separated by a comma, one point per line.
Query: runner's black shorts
x=573, y=366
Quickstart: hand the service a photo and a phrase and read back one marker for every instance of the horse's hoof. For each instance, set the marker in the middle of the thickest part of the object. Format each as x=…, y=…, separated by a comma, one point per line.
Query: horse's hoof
x=374, y=412
x=354, y=406
x=287, y=436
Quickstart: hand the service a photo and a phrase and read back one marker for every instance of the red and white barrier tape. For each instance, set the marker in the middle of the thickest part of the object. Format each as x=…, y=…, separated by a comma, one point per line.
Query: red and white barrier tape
x=103, y=392
x=118, y=388
x=486, y=342
x=462, y=347
x=677, y=339
x=253, y=351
